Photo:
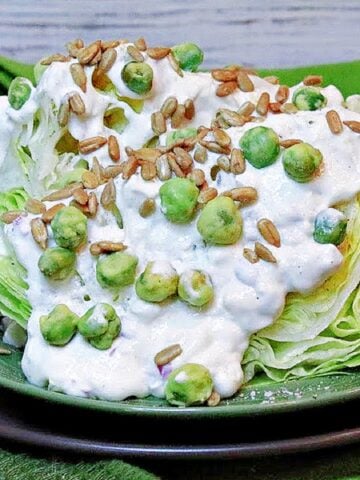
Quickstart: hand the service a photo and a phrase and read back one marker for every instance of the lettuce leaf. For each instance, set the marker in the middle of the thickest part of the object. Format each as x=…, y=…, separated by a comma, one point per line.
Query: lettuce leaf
x=13, y=301
x=317, y=333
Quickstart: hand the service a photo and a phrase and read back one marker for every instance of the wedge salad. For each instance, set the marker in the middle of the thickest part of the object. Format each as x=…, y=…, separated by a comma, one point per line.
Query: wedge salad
x=175, y=232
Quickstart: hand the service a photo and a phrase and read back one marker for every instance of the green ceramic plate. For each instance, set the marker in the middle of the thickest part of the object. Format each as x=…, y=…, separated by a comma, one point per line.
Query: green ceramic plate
x=258, y=398
x=262, y=396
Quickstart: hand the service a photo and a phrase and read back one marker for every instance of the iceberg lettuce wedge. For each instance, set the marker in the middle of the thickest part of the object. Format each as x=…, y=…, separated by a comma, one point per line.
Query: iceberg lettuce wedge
x=317, y=333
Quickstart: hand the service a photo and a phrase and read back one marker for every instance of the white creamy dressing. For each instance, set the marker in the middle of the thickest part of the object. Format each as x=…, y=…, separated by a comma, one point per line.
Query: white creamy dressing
x=248, y=297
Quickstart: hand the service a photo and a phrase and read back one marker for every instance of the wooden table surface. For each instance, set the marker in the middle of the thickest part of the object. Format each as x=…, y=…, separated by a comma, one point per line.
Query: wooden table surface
x=251, y=32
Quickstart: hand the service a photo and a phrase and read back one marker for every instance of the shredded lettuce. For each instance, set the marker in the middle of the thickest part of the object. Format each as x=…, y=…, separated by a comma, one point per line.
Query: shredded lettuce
x=317, y=333
x=13, y=199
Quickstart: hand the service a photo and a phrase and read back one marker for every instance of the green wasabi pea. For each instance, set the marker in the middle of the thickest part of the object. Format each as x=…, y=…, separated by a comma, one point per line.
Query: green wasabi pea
x=330, y=227
x=157, y=282
x=220, y=222
x=188, y=385
x=301, y=162
x=69, y=227
x=57, y=263
x=100, y=326
x=308, y=98
x=178, y=198
x=19, y=92
x=116, y=270
x=138, y=77
x=195, y=287
x=261, y=146
x=180, y=134
x=59, y=326
x=188, y=55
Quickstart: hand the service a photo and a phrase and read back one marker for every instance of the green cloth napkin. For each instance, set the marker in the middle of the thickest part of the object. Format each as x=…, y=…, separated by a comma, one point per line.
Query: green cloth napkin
x=329, y=465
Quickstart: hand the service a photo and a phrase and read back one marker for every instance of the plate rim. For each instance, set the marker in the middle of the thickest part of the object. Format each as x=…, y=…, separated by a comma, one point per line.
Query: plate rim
x=171, y=412
x=233, y=450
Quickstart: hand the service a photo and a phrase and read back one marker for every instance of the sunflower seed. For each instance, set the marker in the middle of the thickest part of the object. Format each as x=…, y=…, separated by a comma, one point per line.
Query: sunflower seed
x=214, y=399
x=76, y=104
x=49, y=215
x=135, y=54
x=5, y=351
x=223, y=75
x=93, y=204
x=35, y=206
x=246, y=109
x=56, y=57
x=214, y=147
x=282, y=94
x=98, y=171
x=157, y=53
x=83, y=208
x=74, y=46
x=105, y=45
x=269, y=232
x=167, y=355
x=353, y=125
x=169, y=107
x=114, y=149
x=272, y=79
x=334, y=122
x=11, y=216
x=39, y=232
x=163, y=168
x=262, y=105
x=313, y=80
x=80, y=196
x=207, y=194
x=61, y=194
x=275, y=107
x=87, y=54
x=90, y=180
x=183, y=158
x=146, y=154
x=78, y=75
x=237, y=161
x=226, y=88
x=289, y=108
x=178, y=117
x=197, y=176
x=91, y=144
x=129, y=167
x=158, y=123
x=174, y=64
x=175, y=167
x=224, y=163
x=189, y=109
x=221, y=137
x=290, y=142
x=64, y=113
x=244, y=82
x=233, y=119
x=214, y=170
x=148, y=170
x=99, y=79
x=140, y=44
x=250, y=255
x=147, y=208
x=245, y=195
x=98, y=248
x=264, y=253
x=113, y=171
x=108, y=59
x=200, y=154
x=108, y=195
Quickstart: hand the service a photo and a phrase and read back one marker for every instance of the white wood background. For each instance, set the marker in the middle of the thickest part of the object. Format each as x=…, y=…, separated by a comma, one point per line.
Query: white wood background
x=252, y=32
